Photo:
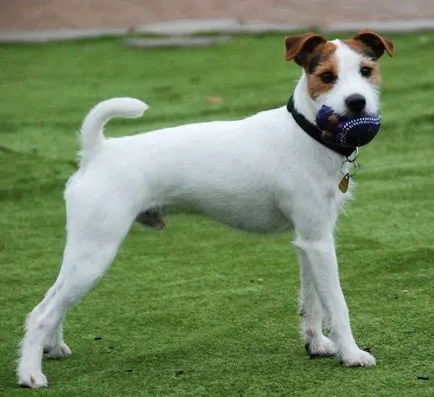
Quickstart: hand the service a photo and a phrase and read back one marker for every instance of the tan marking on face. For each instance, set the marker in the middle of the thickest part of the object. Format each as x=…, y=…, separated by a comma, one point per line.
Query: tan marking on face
x=323, y=60
x=375, y=77
x=369, y=59
x=360, y=47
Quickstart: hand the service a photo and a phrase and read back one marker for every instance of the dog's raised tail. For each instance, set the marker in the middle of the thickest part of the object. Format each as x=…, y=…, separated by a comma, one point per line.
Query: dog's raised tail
x=92, y=129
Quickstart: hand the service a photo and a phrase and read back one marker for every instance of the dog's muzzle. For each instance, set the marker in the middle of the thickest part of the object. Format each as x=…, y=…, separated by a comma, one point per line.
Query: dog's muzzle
x=344, y=131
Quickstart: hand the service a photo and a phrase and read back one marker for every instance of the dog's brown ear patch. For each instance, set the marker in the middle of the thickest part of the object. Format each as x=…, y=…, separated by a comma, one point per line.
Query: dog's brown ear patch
x=298, y=48
x=376, y=43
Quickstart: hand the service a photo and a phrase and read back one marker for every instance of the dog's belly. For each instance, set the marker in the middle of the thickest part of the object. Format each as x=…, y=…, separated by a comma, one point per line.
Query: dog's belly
x=260, y=221
x=253, y=216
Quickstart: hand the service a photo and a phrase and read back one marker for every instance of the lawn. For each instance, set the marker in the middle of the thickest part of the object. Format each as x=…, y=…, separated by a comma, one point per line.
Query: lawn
x=199, y=309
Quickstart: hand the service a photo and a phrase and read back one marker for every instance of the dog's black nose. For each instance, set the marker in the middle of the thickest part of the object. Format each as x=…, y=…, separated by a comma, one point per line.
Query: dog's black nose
x=356, y=102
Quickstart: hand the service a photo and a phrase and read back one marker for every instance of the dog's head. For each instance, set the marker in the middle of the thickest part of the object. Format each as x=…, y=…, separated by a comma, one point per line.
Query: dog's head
x=341, y=74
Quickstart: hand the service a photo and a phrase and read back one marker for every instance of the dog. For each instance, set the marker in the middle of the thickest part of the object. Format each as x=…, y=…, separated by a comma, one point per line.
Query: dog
x=266, y=173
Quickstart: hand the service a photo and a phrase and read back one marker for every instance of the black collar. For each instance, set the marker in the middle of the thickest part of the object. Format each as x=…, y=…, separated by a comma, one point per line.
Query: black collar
x=313, y=131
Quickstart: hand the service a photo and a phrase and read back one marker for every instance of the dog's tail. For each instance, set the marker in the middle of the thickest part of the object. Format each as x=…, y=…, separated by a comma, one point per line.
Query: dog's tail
x=92, y=129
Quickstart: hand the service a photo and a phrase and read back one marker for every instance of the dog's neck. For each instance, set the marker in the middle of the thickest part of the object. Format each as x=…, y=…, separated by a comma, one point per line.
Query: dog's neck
x=303, y=102
x=303, y=110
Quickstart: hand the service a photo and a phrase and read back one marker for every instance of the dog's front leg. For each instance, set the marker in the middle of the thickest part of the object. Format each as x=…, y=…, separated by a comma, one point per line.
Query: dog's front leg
x=316, y=343
x=319, y=261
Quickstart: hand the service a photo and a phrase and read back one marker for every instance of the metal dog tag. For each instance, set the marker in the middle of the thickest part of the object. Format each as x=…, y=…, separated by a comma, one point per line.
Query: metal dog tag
x=353, y=167
x=343, y=184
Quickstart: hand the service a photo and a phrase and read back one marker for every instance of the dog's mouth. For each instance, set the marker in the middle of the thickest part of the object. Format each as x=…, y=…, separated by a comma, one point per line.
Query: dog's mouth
x=351, y=114
x=351, y=130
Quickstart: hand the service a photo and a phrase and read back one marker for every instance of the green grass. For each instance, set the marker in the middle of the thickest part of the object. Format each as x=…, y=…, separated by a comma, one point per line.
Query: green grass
x=201, y=310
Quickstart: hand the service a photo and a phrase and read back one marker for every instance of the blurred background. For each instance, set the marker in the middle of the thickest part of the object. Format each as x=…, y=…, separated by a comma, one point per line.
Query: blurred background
x=47, y=14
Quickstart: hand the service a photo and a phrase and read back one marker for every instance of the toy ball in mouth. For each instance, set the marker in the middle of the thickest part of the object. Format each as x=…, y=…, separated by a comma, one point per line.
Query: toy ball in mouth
x=345, y=131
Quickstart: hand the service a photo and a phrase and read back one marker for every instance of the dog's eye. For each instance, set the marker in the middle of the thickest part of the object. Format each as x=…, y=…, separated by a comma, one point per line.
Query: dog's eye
x=366, y=71
x=328, y=77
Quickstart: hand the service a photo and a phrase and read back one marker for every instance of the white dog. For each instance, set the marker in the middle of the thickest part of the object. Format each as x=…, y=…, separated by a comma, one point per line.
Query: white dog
x=263, y=173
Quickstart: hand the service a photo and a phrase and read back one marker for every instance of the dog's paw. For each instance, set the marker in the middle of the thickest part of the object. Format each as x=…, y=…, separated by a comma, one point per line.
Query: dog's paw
x=320, y=347
x=57, y=352
x=32, y=379
x=358, y=358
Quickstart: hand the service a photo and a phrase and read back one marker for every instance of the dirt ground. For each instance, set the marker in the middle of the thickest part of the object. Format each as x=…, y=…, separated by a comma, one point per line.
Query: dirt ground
x=45, y=14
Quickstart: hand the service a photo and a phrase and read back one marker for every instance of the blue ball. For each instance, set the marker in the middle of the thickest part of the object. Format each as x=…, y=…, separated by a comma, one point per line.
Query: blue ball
x=345, y=131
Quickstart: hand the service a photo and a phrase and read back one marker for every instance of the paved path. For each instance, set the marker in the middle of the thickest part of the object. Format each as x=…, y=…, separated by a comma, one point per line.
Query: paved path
x=72, y=14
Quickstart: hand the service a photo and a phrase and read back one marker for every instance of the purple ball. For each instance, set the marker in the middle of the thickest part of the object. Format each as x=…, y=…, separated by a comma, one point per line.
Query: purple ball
x=344, y=131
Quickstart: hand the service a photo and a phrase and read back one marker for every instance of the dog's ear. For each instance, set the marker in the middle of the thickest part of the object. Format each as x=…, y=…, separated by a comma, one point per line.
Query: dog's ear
x=375, y=42
x=298, y=48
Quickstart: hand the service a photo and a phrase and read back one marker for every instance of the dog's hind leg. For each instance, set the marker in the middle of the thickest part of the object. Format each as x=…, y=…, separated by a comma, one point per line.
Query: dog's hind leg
x=94, y=235
x=316, y=343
